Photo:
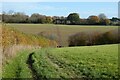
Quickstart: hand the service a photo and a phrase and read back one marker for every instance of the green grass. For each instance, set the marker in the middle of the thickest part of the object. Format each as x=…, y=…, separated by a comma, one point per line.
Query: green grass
x=69, y=62
x=17, y=67
x=65, y=30
x=92, y=62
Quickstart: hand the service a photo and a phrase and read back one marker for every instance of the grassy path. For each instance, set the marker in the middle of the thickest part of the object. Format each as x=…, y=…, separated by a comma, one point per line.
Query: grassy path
x=17, y=67
x=30, y=62
x=65, y=63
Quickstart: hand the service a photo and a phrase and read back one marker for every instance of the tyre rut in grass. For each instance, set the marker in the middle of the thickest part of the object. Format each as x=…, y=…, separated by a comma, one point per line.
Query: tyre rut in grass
x=30, y=62
x=59, y=65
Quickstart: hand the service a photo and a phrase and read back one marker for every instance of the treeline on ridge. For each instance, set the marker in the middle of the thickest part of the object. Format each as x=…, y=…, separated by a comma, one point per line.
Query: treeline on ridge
x=71, y=19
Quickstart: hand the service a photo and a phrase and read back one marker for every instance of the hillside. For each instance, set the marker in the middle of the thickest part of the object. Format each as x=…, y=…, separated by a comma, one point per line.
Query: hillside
x=14, y=40
x=12, y=36
x=61, y=32
x=73, y=62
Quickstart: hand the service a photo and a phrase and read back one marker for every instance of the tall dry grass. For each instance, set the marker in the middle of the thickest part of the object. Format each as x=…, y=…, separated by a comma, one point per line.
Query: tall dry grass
x=0, y=50
x=12, y=50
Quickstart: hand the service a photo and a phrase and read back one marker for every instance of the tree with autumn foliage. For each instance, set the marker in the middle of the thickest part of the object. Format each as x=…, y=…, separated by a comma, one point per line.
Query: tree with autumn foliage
x=93, y=20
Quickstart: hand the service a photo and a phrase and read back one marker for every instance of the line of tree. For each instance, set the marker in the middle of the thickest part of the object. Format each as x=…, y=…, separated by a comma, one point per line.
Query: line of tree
x=94, y=38
x=71, y=19
x=19, y=17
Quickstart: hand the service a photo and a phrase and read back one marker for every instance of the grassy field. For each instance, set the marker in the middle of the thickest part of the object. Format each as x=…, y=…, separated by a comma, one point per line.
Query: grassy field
x=17, y=67
x=69, y=62
x=64, y=30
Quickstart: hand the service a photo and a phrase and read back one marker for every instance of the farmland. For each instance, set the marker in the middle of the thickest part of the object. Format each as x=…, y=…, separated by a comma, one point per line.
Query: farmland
x=69, y=62
x=64, y=30
x=47, y=41
x=99, y=61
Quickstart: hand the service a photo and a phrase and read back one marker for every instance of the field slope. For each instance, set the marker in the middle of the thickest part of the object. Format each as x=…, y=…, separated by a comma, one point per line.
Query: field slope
x=74, y=62
x=12, y=41
x=60, y=32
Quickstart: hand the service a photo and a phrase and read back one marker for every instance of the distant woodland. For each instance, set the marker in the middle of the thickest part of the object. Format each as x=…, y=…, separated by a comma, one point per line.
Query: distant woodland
x=71, y=19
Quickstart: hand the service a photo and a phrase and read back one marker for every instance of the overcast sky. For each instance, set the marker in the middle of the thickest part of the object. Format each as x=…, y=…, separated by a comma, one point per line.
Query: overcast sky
x=84, y=9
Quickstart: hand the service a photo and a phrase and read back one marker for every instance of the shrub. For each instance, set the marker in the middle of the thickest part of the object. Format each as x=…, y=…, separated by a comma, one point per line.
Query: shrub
x=79, y=39
x=48, y=35
x=95, y=38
